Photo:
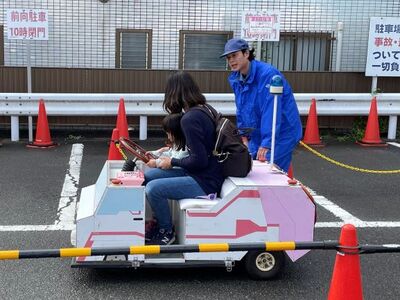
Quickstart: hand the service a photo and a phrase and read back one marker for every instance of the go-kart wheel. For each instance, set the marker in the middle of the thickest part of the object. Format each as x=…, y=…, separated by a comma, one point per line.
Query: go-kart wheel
x=135, y=149
x=262, y=265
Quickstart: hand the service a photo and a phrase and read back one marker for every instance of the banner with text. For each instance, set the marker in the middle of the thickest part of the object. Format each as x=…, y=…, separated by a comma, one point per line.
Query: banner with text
x=260, y=25
x=383, y=58
x=27, y=24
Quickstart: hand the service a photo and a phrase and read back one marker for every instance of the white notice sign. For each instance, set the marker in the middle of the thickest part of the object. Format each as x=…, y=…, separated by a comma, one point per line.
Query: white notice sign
x=260, y=25
x=27, y=24
x=383, y=47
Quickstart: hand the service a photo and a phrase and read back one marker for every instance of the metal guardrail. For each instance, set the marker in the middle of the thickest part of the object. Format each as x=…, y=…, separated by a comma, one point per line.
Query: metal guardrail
x=143, y=105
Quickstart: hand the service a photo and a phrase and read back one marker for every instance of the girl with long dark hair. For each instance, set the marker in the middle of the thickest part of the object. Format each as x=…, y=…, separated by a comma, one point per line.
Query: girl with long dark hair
x=199, y=173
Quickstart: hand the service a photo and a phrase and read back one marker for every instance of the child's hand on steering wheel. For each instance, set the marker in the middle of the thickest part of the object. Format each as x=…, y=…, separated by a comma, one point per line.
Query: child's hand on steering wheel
x=165, y=163
x=149, y=155
x=162, y=149
x=152, y=163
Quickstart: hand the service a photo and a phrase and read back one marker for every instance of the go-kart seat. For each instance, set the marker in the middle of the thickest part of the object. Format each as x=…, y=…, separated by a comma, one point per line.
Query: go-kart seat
x=184, y=204
x=197, y=203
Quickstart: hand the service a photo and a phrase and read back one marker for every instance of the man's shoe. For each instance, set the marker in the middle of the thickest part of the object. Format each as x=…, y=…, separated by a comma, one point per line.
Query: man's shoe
x=163, y=238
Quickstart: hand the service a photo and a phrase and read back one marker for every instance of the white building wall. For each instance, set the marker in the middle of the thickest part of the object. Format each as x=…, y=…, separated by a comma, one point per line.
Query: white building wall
x=82, y=32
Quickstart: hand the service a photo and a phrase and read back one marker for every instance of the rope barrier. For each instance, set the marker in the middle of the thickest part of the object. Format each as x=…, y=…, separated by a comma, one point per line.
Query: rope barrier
x=221, y=247
x=348, y=166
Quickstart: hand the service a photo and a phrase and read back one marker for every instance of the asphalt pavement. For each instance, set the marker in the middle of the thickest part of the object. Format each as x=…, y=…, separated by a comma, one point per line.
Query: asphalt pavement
x=31, y=181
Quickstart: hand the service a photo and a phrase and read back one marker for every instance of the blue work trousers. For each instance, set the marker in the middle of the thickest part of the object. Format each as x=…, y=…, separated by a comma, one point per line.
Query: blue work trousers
x=283, y=161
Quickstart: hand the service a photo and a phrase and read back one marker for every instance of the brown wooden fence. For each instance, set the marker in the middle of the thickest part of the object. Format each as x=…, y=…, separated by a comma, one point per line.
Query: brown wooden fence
x=61, y=80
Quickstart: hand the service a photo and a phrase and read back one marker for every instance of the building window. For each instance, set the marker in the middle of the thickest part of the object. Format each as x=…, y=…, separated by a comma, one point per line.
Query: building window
x=299, y=51
x=200, y=50
x=133, y=49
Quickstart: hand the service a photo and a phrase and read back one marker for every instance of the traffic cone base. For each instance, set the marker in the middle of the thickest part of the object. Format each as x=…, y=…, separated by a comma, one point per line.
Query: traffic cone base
x=42, y=138
x=374, y=144
x=46, y=145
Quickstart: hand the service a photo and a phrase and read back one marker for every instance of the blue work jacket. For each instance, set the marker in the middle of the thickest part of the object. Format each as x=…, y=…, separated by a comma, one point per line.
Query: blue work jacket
x=254, y=108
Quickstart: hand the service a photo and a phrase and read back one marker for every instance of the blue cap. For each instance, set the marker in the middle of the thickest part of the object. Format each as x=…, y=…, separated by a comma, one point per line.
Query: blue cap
x=234, y=45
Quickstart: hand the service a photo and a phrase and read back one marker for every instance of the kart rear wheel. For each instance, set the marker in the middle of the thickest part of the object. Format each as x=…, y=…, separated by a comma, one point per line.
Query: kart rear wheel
x=263, y=265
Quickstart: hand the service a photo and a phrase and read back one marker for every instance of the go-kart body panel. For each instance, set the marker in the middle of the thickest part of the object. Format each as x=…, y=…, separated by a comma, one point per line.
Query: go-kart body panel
x=261, y=207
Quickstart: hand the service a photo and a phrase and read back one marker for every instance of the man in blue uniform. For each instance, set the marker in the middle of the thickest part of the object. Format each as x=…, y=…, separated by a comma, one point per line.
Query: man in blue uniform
x=250, y=81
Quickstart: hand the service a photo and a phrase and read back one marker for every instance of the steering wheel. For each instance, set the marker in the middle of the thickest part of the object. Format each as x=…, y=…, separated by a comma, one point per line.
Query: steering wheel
x=135, y=149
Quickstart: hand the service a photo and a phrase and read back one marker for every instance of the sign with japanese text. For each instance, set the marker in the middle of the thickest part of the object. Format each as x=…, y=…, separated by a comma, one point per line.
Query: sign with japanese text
x=260, y=25
x=383, y=47
x=27, y=24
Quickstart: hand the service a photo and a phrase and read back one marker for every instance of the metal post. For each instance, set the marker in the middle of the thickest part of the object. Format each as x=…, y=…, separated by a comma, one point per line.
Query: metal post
x=276, y=89
x=29, y=81
x=392, y=127
x=30, y=126
x=14, y=128
x=258, y=54
x=339, y=46
x=28, y=67
x=374, y=84
x=143, y=128
x=273, y=130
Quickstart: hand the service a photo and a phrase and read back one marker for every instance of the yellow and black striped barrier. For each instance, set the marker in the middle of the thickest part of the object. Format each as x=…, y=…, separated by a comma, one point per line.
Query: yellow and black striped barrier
x=156, y=249
x=222, y=247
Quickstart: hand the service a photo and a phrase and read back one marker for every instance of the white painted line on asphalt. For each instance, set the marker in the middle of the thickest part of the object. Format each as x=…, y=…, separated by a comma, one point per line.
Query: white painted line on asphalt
x=394, y=144
x=68, y=198
x=346, y=217
x=337, y=211
x=15, y=228
x=362, y=224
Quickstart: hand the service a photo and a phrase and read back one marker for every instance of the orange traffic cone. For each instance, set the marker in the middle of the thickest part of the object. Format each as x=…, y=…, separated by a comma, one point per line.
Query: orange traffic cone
x=113, y=152
x=42, y=139
x=290, y=172
x=311, y=136
x=346, y=278
x=372, y=135
x=122, y=123
x=291, y=180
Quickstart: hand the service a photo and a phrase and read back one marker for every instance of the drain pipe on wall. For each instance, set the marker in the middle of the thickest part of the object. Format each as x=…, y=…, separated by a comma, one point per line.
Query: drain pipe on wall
x=339, y=46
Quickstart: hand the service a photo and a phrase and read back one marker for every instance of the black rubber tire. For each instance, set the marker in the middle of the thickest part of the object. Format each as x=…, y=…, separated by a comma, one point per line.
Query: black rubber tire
x=272, y=262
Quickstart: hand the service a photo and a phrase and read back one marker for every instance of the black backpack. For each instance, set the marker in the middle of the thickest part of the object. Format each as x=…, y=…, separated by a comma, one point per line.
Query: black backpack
x=229, y=148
